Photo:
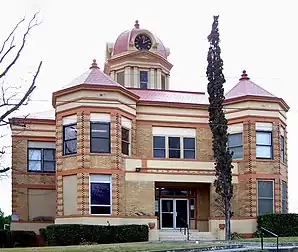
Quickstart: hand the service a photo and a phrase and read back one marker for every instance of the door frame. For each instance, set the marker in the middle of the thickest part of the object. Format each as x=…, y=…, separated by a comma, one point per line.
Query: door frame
x=174, y=211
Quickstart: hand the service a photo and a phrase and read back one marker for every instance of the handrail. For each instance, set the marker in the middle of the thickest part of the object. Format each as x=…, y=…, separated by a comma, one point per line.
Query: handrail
x=269, y=232
x=186, y=228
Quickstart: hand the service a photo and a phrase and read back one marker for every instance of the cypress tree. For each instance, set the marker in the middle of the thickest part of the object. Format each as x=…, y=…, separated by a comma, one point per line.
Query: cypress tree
x=218, y=125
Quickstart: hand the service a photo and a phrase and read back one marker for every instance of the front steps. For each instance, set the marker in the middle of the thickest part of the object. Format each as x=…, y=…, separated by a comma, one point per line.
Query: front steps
x=177, y=235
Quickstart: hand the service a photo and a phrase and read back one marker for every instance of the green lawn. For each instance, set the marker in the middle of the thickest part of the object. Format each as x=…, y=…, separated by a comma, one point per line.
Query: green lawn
x=123, y=247
x=270, y=239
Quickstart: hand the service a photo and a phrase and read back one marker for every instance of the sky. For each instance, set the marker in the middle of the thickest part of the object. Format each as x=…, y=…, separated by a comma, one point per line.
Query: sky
x=258, y=36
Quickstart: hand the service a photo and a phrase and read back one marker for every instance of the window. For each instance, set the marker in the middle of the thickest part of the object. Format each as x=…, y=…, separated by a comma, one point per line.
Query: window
x=120, y=78
x=265, y=197
x=235, y=144
x=125, y=134
x=159, y=147
x=189, y=148
x=282, y=149
x=100, y=137
x=264, y=144
x=163, y=82
x=41, y=160
x=284, y=197
x=70, y=139
x=174, y=147
x=143, y=79
x=100, y=194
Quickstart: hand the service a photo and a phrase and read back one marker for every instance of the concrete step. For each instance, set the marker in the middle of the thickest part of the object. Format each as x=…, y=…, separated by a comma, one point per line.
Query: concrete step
x=176, y=235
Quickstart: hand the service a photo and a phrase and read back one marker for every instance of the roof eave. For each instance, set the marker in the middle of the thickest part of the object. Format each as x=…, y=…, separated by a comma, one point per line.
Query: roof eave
x=232, y=100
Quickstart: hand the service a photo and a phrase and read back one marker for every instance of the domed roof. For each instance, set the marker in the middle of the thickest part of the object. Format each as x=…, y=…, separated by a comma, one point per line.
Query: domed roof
x=125, y=39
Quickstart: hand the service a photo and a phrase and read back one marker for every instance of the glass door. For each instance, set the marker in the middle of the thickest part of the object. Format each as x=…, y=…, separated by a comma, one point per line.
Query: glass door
x=174, y=213
x=167, y=213
x=181, y=213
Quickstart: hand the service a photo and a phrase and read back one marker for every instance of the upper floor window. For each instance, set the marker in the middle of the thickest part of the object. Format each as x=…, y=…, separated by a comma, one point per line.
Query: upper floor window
x=264, y=147
x=143, y=79
x=126, y=135
x=235, y=144
x=265, y=197
x=100, y=194
x=163, y=82
x=70, y=139
x=282, y=149
x=284, y=197
x=100, y=133
x=168, y=144
x=120, y=78
x=41, y=157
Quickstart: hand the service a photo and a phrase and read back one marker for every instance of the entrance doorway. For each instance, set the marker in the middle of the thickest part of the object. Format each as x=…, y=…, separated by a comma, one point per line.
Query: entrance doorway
x=174, y=213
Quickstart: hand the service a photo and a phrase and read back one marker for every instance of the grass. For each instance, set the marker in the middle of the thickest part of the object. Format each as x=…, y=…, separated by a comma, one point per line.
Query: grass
x=123, y=247
x=271, y=239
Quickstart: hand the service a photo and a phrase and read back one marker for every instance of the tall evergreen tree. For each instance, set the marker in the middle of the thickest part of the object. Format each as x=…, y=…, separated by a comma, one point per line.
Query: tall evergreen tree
x=218, y=125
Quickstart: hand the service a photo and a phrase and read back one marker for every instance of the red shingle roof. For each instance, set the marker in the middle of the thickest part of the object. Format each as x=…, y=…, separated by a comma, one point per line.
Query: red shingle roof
x=246, y=87
x=170, y=96
x=93, y=76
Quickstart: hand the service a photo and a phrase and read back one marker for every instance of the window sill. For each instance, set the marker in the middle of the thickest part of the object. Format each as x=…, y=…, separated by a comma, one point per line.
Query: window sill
x=99, y=154
x=41, y=172
x=69, y=155
x=265, y=159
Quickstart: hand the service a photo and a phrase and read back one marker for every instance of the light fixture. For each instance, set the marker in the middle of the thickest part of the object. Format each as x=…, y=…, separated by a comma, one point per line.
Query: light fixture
x=138, y=169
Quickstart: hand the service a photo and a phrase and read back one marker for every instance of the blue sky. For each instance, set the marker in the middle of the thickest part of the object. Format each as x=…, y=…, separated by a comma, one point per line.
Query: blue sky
x=256, y=36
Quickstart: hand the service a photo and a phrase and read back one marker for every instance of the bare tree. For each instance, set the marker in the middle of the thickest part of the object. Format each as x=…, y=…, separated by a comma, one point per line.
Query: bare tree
x=11, y=97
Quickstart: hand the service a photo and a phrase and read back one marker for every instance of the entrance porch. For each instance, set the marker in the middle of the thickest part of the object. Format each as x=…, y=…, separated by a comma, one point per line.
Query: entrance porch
x=182, y=205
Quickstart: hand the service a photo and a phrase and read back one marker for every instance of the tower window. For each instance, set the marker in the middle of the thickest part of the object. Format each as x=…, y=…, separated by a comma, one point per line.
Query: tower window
x=120, y=78
x=163, y=82
x=143, y=79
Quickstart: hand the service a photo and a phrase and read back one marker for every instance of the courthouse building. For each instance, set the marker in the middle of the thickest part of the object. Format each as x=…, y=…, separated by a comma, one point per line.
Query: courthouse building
x=121, y=147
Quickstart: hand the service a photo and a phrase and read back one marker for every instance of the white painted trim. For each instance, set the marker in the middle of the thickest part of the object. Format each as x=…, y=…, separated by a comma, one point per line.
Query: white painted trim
x=100, y=117
x=42, y=145
x=69, y=119
x=235, y=128
x=126, y=123
x=169, y=131
x=264, y=126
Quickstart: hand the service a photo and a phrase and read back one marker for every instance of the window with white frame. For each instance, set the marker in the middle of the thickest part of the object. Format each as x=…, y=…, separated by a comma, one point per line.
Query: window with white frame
x=284, y=197
x=235, y=141
x=264, y=147
x=100, y=197
x=100, y=133
x=41, y=156
x=174, y=142
x=120, y=78
x=143, y=79
x=69, y=135
x=282, y=149
x=126, y=135
x=265, y=197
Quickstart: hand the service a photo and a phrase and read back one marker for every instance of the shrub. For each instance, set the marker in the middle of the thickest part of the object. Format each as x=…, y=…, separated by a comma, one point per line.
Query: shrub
x=280, y=224
x=75, y=234
x=9, y=239
x=43, y=236
x=236, y=236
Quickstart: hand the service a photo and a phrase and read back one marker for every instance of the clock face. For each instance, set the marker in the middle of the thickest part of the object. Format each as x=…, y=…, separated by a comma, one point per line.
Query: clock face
x=143, y=42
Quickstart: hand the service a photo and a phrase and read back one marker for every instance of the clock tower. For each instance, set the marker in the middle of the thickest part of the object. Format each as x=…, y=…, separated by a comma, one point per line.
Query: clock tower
x=138, y=59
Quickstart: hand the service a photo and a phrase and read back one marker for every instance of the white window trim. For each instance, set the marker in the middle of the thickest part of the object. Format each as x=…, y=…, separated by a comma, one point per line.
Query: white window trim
x=181, y=146
x=129, y=139
x=242, y=144
x=272, y=150
x=101, y=181
x=273, y=194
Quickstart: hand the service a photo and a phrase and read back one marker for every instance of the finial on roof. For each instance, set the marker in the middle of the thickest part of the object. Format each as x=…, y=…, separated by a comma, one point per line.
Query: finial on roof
x=137, y=25
x=244, y=76
x=94, y=64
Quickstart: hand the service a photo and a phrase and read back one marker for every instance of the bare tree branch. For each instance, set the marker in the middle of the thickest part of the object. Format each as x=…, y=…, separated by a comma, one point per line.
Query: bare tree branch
x=30, y=26
x=27, y=94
